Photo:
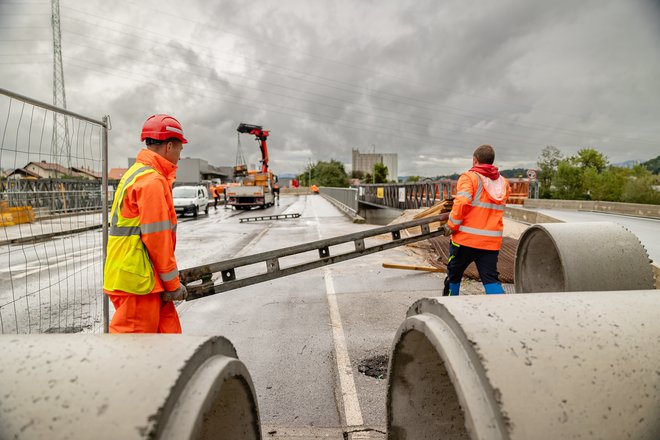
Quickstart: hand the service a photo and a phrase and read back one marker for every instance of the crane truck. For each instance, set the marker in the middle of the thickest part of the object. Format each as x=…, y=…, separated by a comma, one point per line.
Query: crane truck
x=255, y=188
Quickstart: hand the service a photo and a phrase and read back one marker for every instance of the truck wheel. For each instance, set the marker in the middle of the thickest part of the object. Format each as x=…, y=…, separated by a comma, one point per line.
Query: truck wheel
x=195, y=211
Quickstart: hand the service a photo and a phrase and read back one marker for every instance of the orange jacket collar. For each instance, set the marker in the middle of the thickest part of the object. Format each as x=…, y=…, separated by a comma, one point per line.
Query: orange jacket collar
x=159, y=163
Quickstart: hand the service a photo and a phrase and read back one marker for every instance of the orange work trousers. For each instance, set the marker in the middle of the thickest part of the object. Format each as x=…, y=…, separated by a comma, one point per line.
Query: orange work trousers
x=143, y=314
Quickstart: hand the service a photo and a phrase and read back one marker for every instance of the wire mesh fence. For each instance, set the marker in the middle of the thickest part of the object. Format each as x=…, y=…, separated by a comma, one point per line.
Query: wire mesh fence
x=52, y=201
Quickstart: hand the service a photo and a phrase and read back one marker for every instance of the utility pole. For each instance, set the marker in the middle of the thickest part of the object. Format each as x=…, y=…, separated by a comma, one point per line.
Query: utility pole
x=373, y=177
x=309, y=183
x=61, y=145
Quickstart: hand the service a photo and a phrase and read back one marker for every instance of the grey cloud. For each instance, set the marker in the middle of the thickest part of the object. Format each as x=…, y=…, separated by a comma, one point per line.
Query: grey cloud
x=417, y=78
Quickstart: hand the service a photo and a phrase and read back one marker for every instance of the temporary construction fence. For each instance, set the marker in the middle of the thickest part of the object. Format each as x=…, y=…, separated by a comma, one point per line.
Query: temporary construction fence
x=53, y=193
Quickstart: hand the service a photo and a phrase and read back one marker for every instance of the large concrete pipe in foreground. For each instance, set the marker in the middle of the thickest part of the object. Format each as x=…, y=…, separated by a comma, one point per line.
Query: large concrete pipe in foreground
x=532, y=366
x=124, y=387
x=577, y=257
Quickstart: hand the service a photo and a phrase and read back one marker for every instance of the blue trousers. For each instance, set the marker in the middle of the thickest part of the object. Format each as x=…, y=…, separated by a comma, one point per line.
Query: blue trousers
x=460, y=257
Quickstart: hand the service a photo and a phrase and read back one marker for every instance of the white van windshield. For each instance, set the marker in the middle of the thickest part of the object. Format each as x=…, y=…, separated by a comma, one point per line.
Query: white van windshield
x=184, y=192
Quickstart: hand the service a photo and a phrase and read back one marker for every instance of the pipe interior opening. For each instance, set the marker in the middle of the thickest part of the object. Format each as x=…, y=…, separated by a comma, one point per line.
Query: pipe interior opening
x=539, y=267
x=232, y=415
x=423, y=403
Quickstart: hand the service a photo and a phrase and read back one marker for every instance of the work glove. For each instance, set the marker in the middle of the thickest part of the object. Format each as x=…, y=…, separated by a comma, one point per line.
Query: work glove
x=180, y=294
x=447, y=205
x=446, y=231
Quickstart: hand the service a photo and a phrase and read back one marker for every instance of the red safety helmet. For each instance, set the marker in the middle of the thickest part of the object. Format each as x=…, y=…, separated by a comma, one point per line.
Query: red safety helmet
x=162, y=127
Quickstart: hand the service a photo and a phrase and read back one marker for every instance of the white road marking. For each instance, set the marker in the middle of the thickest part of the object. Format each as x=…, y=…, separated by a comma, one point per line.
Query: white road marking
x=352, y=411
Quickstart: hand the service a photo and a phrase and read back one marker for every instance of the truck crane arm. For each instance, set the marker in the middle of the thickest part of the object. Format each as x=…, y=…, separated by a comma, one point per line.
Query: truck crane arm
x=262, y=136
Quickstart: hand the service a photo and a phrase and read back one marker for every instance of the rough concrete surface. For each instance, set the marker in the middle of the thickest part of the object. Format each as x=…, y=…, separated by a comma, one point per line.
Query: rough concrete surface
x=123, y=387
x=548, y=366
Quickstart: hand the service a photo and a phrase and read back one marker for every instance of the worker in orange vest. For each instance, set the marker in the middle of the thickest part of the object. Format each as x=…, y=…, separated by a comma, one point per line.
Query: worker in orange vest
x=216, y=195
x=141, y=276
x=475, y=223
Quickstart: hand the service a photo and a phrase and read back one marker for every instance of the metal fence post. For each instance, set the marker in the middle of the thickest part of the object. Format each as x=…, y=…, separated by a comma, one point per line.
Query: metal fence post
x=104, y=219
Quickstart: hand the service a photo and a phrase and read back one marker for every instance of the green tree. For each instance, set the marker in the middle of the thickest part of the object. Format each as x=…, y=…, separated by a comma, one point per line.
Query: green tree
x=357, y=174
x=412, y=179
x=548, y=162
x=568, y=181
x=653, y=165
x=380, y=173
x=331, y=174
x=607, y=185
x=590, y=158
x=639, y=188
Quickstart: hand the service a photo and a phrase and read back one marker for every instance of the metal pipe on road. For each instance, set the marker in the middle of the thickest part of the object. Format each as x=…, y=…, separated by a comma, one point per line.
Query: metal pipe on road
x=125, y=386
x=576, y=257
x=542, y=366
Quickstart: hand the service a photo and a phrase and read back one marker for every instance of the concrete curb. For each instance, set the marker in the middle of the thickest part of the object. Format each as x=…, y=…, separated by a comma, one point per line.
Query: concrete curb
x=355, y=218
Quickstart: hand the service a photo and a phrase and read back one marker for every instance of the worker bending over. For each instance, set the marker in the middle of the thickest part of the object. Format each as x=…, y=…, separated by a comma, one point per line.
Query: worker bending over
x=475, y=223
x=141, y=275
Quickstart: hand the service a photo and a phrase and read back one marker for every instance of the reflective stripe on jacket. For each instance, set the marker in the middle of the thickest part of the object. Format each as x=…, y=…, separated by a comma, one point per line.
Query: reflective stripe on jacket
x=476, y=217
x=142, y=233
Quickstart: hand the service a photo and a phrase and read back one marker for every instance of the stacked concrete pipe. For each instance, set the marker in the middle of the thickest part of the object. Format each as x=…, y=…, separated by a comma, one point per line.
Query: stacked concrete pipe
x=125, y=387
x=578, y=257
x=533, y=366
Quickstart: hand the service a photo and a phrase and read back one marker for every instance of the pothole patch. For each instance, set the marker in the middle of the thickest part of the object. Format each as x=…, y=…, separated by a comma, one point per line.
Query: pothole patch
x=375, y=366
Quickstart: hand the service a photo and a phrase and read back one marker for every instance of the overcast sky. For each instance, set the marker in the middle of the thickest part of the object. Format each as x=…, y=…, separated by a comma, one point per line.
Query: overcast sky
x=429, y=80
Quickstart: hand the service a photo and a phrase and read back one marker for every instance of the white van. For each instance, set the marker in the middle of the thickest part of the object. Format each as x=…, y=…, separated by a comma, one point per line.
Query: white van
x=190, y=199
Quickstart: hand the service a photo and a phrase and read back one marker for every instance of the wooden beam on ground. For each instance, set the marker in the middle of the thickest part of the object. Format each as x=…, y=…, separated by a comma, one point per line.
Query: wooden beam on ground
x=408, y=267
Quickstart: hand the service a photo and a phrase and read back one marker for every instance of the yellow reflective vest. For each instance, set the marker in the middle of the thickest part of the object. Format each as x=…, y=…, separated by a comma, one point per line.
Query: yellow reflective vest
x=127, y=265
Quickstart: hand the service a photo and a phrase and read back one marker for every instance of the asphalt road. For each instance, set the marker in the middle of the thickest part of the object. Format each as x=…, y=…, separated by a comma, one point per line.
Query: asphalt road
x=303, y=337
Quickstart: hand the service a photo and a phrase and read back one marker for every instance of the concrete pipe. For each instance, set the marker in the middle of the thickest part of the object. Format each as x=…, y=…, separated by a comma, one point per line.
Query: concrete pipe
x=535, y=366
x=577, y=257
x=124, y=387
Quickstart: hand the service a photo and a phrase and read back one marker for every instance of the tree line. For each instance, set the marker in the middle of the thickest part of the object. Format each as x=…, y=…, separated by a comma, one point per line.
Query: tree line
x=588, y=175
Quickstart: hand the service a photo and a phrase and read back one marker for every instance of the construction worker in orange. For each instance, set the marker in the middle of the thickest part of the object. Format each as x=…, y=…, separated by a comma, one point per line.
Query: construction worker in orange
x=475, y=223
x=141, y=276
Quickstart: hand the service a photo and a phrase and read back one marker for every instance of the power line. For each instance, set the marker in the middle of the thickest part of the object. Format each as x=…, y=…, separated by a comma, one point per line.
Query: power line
x=417, y=103
x=379, y=129
x=297, y=90
x=208, y=25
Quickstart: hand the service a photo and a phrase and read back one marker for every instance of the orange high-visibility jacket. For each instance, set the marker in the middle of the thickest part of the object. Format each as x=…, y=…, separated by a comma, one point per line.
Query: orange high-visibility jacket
x=142, y=234
x=476, y=217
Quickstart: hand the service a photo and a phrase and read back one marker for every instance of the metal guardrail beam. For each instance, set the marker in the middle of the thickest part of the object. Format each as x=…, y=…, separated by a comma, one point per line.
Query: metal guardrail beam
x=269, y=217
x=271, y=259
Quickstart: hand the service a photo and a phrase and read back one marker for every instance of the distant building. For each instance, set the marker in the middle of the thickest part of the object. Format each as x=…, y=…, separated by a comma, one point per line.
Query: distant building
x=194, y=170
x=284, y=180
x=47, y=170
x=365, y=162
x=22, y=173
x=85, y=173
x=116, y=173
